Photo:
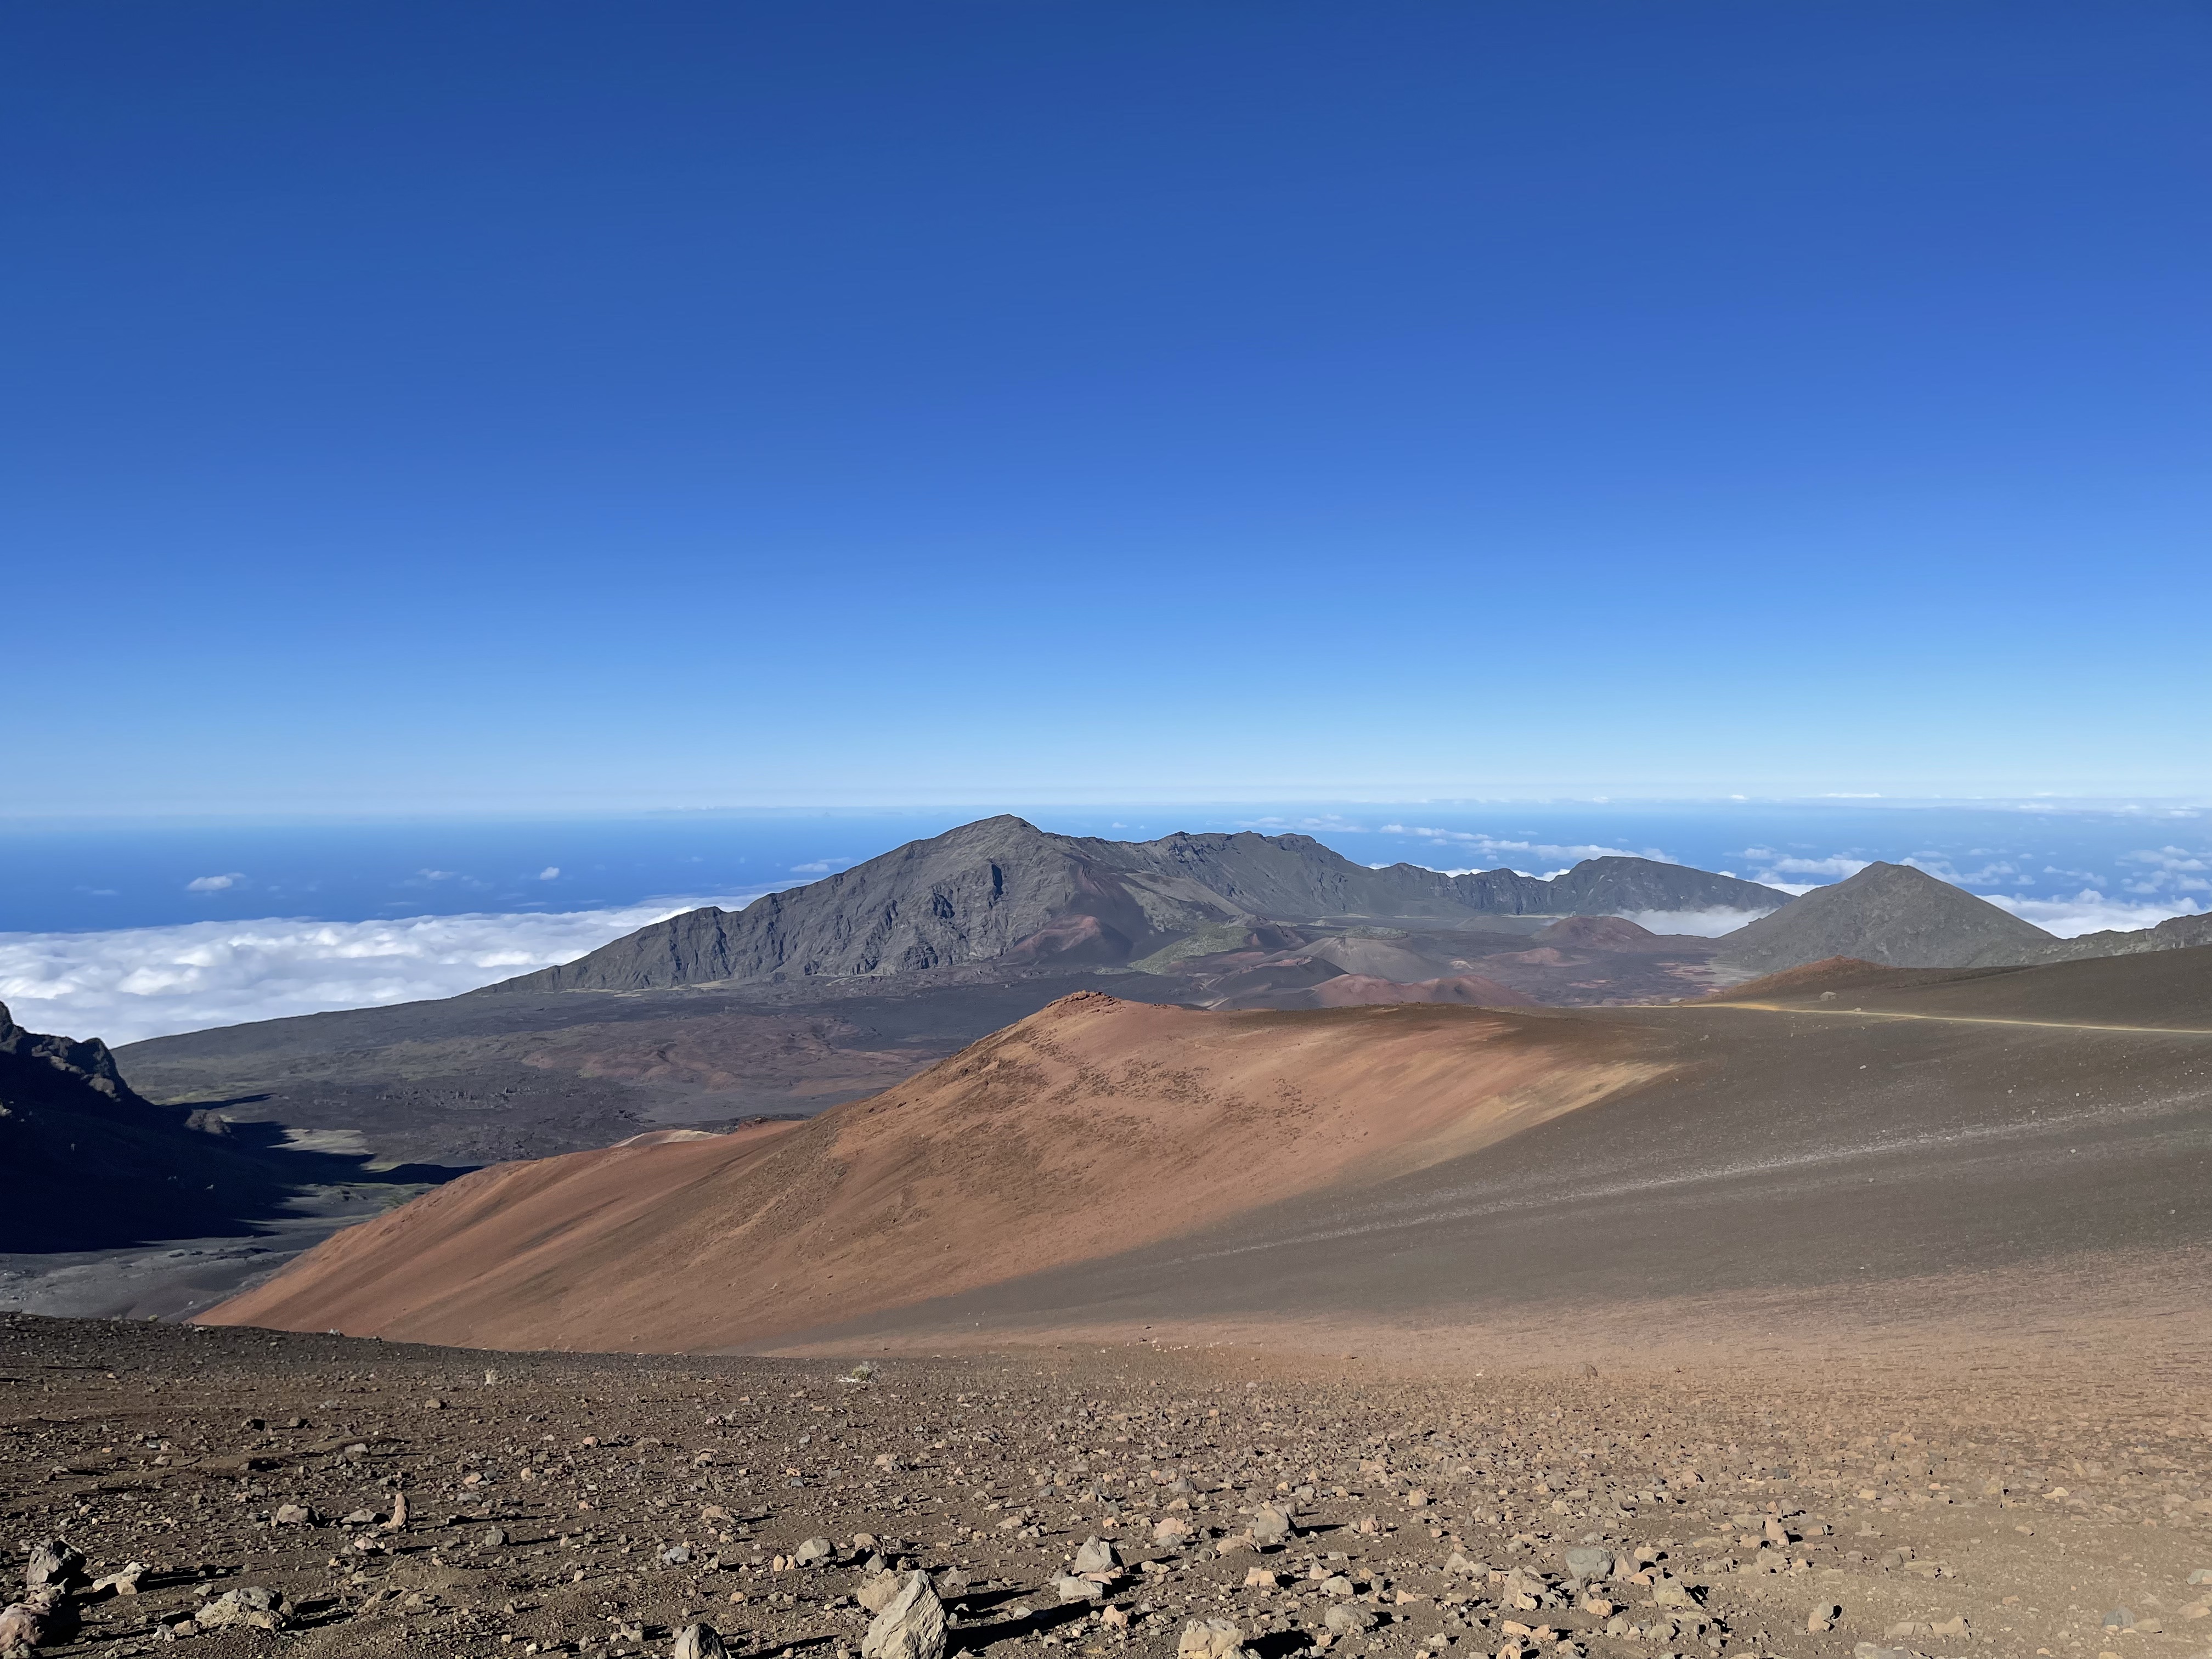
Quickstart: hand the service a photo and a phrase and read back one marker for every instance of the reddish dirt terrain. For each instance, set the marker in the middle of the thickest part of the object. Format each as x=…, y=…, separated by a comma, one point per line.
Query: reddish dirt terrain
x=1093, y=1126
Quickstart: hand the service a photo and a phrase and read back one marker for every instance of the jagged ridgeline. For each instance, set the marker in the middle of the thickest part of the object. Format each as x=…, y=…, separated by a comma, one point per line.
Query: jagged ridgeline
x=1003, y=891
x=89, y=1163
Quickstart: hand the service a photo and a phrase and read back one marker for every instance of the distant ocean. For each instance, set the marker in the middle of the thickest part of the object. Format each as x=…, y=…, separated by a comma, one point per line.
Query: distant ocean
x=125, y=931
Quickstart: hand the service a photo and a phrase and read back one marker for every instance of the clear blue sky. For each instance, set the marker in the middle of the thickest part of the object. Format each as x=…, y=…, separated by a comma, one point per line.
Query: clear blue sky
x=551, y=405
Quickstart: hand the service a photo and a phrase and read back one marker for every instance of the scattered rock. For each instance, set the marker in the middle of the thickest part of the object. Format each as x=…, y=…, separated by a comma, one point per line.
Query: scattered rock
x=296, y=1515
x=814, y=1550
x=1822, y=1618
x=1069, y=1588
x=1170, y=1530
x=122, y=1582
x=1095, y=1555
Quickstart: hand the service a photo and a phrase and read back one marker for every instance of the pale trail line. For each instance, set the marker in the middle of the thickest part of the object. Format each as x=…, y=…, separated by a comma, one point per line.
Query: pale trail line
x=1954, y=1020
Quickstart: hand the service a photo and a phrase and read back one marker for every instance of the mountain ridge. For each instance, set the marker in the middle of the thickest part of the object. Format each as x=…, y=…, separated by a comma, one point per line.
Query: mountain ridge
x=1000, y=890
x=1893, y=916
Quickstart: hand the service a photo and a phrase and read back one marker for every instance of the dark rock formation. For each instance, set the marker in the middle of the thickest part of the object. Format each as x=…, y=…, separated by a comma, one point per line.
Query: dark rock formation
x=1004, y=890
x=1891, y=915
x=88, y=1164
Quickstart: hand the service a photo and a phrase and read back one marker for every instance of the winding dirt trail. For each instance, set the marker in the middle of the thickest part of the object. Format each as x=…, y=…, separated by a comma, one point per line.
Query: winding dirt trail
x=1963, y=1019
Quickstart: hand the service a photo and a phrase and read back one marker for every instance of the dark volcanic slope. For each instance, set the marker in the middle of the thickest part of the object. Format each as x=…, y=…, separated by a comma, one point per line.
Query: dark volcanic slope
x=479, y=1078
x=1888, y=914
x=1003, y=891
x=88, y=1164
x=1788, y=1150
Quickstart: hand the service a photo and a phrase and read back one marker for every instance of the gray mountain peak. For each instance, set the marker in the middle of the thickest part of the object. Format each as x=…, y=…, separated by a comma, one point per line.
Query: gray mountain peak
x=1002, y=890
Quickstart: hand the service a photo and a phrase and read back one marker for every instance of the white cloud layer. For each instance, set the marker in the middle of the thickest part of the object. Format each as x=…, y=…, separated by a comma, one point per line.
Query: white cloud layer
x=2089, y=912
x=150, y=981
x=1706, y=924
x=1491, y=847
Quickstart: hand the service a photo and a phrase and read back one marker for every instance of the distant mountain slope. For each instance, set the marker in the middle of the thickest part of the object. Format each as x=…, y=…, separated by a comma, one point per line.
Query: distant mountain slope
x=1892, y=915
x=2175, y=934
x=1003, y=891
x=88, y=1164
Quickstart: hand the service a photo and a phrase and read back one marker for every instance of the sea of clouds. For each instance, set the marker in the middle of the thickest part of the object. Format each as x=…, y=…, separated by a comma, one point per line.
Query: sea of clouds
x=135, y=983
x=128, y=983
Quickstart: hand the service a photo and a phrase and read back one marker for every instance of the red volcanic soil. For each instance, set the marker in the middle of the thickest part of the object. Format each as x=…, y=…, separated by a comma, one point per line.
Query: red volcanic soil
x=1604, y=933
x=1364, y=990
x=1094, y=1125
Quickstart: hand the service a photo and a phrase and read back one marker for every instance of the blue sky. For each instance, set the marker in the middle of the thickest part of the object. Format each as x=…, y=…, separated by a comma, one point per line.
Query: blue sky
x=558, y=407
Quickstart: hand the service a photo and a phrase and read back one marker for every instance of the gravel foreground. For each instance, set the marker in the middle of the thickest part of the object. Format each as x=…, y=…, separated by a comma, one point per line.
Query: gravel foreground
x=1219, y=1503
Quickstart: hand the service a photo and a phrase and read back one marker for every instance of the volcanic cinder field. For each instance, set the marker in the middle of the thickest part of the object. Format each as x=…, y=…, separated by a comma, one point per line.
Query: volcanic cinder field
x=2013, y=1496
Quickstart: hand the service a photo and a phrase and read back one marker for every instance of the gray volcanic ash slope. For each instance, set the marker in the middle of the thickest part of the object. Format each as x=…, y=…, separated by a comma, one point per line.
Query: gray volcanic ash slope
x=1003, y=891
x=1891, y=915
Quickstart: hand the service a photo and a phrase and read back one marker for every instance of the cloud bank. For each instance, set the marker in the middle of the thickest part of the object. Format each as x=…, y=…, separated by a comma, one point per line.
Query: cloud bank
x=2089, y=912
x=150, y=981
x=1504, y=852
x=1705, y=924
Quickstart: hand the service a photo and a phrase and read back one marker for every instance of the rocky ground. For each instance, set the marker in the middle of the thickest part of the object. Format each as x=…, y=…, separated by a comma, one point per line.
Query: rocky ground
x=1094, y=1499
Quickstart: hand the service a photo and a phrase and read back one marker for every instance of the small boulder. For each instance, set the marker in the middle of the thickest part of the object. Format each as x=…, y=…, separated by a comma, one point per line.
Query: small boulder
x=1822, y=1618
x=675, y=1555
x=1261, y=1578
x=54, y=1563
x=1097, y=1555
x=911, y=1624
x=1349, y=1618
x=296, y=1515
x=42, y=1616
x=1069, y=1588
x=879, y=1590
x=698, y=1642
x=1586, y=1562
x=122, y=1582
x=814, y=1551
x=1270, y=1526
x=1209, y=1639
x=251, y=1605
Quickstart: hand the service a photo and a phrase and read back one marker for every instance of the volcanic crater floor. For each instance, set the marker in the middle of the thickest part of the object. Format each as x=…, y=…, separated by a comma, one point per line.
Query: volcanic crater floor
x=1986, y=1501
